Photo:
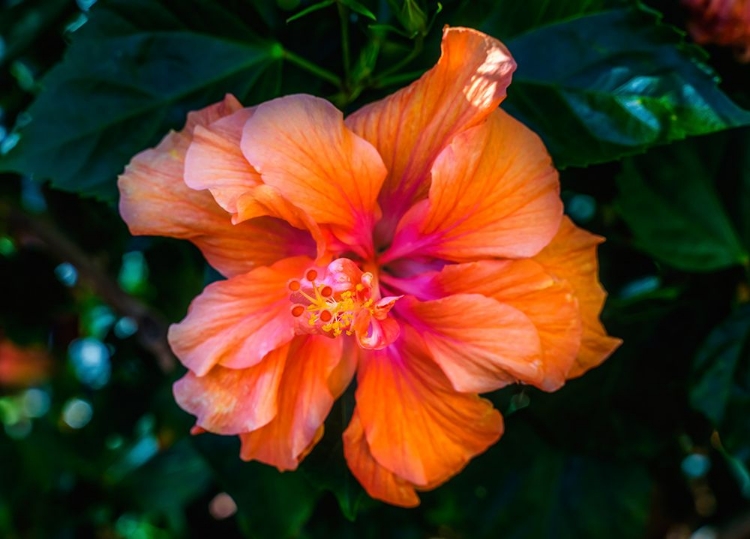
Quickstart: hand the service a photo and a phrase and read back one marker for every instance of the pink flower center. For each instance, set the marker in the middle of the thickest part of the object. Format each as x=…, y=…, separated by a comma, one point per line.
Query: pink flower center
x=342, y=300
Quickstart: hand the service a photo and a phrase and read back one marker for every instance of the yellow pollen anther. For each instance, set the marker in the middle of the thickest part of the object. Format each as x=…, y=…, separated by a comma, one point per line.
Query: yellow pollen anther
x=339, y=300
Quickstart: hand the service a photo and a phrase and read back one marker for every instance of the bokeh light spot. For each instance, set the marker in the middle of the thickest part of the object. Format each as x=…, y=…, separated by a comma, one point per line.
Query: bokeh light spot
x=125, y=327
x=90, y=360
x=67, y=274
x=35, y=402
x=696, y=465
x=77, y=413
x=222, y=506
x=581, y=208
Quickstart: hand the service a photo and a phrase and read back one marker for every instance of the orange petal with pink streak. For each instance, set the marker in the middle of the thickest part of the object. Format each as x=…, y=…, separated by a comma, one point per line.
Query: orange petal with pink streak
x=300, y=146
x=266, y=201
x=494, y=193
x=214, y=160
x=379, y=482
x=231, y=401
x=154, y=200
x=412, y=126
x=571, y=256
x=479, y=343
x=416, y=425
x=317, y=371
x=236, y=322
x=548, y=302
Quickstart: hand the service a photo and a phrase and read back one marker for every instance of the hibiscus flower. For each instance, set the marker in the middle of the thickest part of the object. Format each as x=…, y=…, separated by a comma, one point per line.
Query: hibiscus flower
x=418, y=245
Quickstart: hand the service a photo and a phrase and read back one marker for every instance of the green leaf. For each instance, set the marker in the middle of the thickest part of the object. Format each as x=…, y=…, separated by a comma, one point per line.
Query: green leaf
x=612, y=84
x=313, y=8
x=721, y=387
x=357, y=7
x=169, y=482
x=669, y=199
x=510, y=18
x=269, y=503
x=523, y=487
x=132, y=73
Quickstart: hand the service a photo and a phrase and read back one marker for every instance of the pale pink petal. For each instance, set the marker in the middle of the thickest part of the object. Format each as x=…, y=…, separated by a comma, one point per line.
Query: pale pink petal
x=154, y=200
x=214, y=160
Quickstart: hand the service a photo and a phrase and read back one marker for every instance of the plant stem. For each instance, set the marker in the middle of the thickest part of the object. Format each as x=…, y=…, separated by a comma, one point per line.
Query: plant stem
x=152, y=329
x=346, y=56
x=403, y=63
x=312, y=68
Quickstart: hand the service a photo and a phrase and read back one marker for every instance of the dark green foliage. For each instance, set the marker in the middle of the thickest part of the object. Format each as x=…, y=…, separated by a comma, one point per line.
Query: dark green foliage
x=125, y=82
x=612, y=84
x=671, y=201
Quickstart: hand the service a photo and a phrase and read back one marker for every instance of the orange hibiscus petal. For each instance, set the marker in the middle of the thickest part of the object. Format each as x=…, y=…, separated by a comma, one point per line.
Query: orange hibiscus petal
x=480, y=344
x=317, y=371
x=214, y=160
x=379, y=483
x=416, y=425
x=411, y=127
x=548, y=302
x=154, y=200
x=266, y=201
x=494, y=193
x=300, y=146
x=236, y=322
x=231, y=401
x=571, y=256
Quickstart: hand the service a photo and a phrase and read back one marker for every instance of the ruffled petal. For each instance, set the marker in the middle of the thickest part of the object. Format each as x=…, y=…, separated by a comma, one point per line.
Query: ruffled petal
x=232, y=401
x=214, y=160
x=411, y=127
x=416, y=425
x=480, y=344
x=548, y=302
x=317, y=371
x=494, y=193
x=572, y=256
x=300, y=146
x=236, y=322
x=379, y=482
x=154, y=200
x=265, y=201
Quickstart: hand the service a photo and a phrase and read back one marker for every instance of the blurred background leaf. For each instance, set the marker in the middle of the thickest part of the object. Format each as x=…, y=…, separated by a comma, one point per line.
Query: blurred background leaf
x=132, y=73
x=623, y=82
x=669, y=200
